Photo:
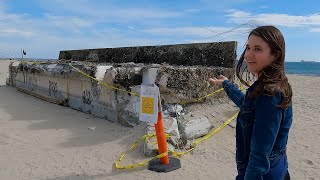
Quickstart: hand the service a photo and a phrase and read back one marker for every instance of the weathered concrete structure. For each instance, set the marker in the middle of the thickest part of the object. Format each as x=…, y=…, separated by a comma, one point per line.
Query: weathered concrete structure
x=120, y=73
x=218, y=54
x=65, y=85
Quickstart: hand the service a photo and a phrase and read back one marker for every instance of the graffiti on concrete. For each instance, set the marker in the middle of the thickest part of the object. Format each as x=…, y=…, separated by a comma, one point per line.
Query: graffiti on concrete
x=96, y=89
x=31, y=82
x=87, y=97
x=53, y=88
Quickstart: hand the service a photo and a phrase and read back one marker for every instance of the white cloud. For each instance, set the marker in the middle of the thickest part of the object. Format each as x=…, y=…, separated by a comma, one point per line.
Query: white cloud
x=67, y=22
x=144, y=13
x=131, y=27
x=192, y=10
x=26, y=26
x=199, y=32
x=225, y=4
x=2, y=5
x=181, y=31
x=108, y=12
x=275, y=19
x=263, y=7
x=15, y=32
x=16, y=26
x=315, y=30
x=44, y=46
x=237, y=15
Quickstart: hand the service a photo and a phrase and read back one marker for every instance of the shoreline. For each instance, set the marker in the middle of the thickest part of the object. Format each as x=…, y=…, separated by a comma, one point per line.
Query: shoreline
x=308, y=75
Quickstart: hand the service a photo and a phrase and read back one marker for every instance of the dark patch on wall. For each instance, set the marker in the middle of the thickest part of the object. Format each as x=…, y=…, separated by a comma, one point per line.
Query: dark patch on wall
x=95, y=88
x=127, y=76
x=53, y=88
x=87, y=97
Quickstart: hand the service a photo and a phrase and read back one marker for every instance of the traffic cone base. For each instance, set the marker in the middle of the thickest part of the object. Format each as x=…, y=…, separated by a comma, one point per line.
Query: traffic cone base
x=155, y=165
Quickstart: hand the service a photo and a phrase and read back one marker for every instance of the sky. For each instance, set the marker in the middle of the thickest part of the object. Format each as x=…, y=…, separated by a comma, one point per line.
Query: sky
x=44, y=27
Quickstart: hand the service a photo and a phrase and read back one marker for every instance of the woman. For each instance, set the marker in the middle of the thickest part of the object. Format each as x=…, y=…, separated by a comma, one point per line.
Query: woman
x=265, y=113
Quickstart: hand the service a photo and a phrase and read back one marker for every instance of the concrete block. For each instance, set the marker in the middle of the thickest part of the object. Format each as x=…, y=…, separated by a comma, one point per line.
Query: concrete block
x=174, y=109
x=171, y=128
x=195, y=128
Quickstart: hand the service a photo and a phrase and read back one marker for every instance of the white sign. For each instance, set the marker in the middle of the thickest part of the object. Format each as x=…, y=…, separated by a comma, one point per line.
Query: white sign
x=149, y=103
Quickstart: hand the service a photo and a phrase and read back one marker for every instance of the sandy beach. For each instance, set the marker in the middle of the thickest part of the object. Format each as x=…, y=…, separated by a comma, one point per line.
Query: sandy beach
x=40, y=140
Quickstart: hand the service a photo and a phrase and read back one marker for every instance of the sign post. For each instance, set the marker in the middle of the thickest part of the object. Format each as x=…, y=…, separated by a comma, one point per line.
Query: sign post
x=151, y=112
x=149, y=103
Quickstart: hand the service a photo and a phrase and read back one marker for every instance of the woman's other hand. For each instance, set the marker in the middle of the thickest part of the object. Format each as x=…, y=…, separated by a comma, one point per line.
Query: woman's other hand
x=219, y=80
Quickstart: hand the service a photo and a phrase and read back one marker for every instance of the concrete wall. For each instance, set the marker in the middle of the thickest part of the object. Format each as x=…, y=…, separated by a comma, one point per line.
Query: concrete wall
x=60, y=83
x=123, y=68
x=219, y=54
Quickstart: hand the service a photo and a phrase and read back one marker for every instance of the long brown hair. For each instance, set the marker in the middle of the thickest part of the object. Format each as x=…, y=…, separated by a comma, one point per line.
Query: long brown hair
x=272, y=79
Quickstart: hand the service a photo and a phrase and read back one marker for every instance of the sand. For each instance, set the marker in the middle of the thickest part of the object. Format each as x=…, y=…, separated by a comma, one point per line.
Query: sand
x=39, y=140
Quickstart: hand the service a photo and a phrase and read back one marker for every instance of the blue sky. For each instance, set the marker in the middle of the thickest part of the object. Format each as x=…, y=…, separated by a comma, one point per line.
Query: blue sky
x=44, y=27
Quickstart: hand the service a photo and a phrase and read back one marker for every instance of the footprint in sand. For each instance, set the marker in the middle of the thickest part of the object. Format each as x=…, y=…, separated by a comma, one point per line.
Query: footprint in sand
x=309, y=162
x=311, y=178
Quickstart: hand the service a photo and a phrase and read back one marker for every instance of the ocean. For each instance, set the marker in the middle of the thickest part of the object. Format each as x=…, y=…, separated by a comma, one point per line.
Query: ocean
x=303, y=68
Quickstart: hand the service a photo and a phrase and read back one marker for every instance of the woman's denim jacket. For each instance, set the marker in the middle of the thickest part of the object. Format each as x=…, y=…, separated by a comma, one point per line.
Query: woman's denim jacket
x=261, y=131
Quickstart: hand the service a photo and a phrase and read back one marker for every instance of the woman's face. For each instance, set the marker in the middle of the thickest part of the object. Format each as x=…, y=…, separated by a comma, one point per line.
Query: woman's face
x=258, y=54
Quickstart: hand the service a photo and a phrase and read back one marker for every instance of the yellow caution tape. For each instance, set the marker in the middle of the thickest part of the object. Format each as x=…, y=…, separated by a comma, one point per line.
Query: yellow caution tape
x=193, y=146
x=198, y=99
x=101, y=82
x=215, y=130
x=147, y=137
x=174, y=153
x=241, y=87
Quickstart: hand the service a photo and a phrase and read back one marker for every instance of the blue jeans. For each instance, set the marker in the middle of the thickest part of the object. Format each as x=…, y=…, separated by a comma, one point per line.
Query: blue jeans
x=278, y=170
